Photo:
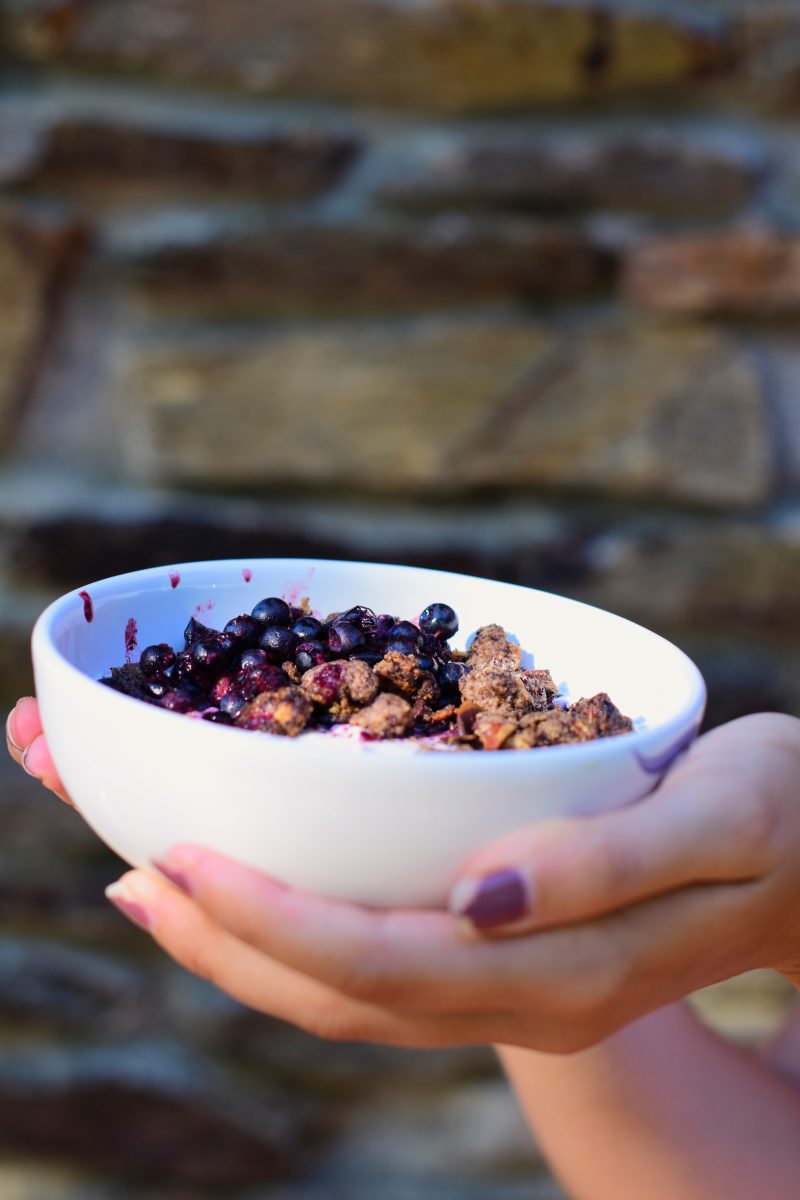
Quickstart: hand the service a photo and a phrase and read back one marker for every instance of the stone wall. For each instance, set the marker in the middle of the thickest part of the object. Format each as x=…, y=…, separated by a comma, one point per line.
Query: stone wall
x=509, y=288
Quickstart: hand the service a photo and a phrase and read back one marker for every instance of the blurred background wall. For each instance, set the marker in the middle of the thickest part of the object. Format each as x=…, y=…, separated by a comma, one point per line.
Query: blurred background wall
x=504, y=286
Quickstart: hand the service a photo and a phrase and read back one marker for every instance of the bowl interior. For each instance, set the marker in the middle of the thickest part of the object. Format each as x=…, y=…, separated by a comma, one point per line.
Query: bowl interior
x=587, y=650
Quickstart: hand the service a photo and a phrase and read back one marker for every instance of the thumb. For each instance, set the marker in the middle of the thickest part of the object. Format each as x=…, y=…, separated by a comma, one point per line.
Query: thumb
x=691, y=830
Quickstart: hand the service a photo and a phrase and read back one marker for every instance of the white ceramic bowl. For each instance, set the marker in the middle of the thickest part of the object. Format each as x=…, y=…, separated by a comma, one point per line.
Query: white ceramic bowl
x=380, y=823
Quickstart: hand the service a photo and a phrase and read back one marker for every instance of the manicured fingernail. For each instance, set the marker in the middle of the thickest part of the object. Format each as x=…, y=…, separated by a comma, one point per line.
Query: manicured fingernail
x=500, y=898
x=174, y=875
x=130, y=908
x=12, y=741
x=24, y=763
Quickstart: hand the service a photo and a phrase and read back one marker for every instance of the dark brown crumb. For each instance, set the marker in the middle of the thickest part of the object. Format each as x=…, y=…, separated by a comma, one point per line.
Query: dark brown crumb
x=545, y=680
x=493, y=730
x=402, y=674
x=501, y=688
x=602, y=715
x=341, y=686
x=491, y=645
x=556, y=727
x=388, y=716
x=129, y=680
x=285, y=711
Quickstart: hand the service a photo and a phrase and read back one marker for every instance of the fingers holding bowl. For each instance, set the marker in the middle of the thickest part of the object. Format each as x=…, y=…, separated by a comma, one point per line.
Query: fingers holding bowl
x=28, y=747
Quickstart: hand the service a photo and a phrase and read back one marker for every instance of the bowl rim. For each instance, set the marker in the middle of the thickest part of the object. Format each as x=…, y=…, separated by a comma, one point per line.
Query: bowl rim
x=686, y=720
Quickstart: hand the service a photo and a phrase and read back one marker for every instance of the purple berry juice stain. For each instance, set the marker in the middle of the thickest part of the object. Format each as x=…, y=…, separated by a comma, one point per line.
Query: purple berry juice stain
x=200, y=609
x=88, y=607
x=247, y=574
x=131, y=638
x=174, y=579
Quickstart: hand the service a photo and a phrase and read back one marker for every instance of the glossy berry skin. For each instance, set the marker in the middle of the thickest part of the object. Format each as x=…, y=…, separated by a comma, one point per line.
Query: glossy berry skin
x=231, y=703
x=383, y=626
x=370, y=657
x=307, y=629
x=213, y=656
x=273, y=611
x=450, y=673
x=278, y=643
x=179, y=702
x=158, y=688
x=402, y=645
x=184, y=667
x=155, y=661
x=363, y=618
x=310, y=654
x=218, y=717
x=195, y=631
x=245, y=630
x=426, y=662
x=345, y=638
x=404, y=629
x=439, y=620
x=251, y=660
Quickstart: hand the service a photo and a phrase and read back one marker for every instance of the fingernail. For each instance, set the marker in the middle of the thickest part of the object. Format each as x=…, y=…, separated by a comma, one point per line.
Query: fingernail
x=12, y=741
x=500, y=898
x=174, y=875
x=24, y=763
x=131, y=909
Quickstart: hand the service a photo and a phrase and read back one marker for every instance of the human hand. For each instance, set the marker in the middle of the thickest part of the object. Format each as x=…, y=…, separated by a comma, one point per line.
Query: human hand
x=695, y=883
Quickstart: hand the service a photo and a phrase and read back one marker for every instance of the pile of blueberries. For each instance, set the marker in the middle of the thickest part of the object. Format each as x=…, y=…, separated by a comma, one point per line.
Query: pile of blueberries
x=217, y=673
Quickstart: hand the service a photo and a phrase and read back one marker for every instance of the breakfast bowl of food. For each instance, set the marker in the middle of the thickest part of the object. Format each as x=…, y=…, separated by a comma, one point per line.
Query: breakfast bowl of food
x=353, y=729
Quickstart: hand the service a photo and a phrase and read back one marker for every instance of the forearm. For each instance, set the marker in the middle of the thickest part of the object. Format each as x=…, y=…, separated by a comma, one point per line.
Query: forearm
x=664, y=1109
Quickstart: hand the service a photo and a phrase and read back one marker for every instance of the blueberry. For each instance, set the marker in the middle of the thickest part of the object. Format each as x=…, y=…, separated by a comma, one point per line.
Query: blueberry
x=184, y=667
x=156, y=660
x=450, y=673
x=195, y=631
x=265, y=679
x=439, y=620
x=278, y=643
x=273, y=611
x=158, y=688
x=179, y=701
x=404, y=629
x=244, y=629
x=307, y=628
x=310, y=654
x=212, y=657
x=218, y=717
x=232, y=703
x=426, y=662
x=345, y=638
x=251, y=660
x=363, y=619
x=402, y=645
x=383, y=625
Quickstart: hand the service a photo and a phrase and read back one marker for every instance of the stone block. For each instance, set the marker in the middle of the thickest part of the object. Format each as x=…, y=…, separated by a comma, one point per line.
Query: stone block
x=148, y=1109
x=385, y=265
x=445, y=54
x=381, y=407
x=37, y=252
x=440, y=405
x=94, y=144
x=745, y=272
x=645, y=170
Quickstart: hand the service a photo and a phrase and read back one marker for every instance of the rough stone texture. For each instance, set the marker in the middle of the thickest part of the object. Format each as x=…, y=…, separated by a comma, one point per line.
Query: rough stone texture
x=631, y=412
x=647, y=170
x=449, y=54
x=36, y=255
x=746, y=272
x=149, y=1109
x=96, y=150
x=393, y=398
x=383, y=265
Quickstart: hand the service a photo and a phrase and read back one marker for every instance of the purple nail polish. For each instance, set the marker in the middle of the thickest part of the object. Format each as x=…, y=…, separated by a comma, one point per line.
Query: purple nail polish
x=501, y=899
x=133, y=911
x=175, y=876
